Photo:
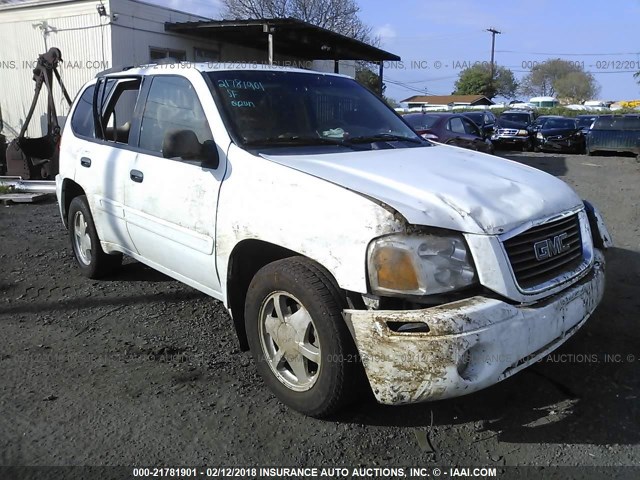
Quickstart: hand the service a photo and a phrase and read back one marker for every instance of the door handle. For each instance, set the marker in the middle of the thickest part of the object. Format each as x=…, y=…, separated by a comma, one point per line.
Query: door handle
x=136, y=175
x=85, y=162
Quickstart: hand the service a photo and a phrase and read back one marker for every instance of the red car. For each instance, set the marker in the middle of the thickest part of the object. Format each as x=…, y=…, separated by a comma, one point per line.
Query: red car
x=449, y=128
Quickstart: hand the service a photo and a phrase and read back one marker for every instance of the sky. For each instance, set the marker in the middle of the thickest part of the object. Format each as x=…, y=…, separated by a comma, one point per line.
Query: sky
x=436, y=39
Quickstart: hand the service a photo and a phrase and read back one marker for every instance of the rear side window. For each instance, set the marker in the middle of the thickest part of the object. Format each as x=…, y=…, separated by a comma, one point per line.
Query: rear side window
x=118, y=115
x=630, y=123
x=82, y=119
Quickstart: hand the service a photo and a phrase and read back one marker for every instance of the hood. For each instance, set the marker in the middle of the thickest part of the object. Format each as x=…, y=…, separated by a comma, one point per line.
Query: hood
x=558, y=131
x=443, y=186
x=511, y=124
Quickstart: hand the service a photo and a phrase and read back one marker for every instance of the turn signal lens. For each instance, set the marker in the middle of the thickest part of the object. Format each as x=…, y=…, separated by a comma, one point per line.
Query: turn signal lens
x=395, y=269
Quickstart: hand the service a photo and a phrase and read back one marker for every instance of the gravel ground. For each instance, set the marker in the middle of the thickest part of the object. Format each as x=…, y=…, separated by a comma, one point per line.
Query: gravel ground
x=140, y=369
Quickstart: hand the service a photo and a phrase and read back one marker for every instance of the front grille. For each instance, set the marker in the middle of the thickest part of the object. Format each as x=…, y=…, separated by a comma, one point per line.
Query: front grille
x=531, y=271
x=507, y=131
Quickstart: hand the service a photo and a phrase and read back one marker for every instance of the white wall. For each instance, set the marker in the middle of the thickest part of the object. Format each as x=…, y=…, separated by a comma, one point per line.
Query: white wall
x=89, y=44
x=136, y=26
x=80, y=38
x=346, y=67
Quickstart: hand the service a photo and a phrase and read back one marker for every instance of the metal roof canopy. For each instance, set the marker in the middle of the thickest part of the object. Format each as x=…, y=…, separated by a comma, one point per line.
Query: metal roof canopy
x=290, y=37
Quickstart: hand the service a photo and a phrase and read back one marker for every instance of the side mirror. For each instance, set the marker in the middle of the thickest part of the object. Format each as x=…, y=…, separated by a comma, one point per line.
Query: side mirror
x=184, y=144
x=209, y=155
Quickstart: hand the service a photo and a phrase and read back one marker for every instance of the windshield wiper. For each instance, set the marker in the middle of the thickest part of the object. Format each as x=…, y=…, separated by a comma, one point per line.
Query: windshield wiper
x=382, y=137
x=297, y=141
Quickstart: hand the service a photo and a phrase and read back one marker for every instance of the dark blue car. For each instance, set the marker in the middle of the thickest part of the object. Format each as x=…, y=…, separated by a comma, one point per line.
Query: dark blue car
x=614, y=133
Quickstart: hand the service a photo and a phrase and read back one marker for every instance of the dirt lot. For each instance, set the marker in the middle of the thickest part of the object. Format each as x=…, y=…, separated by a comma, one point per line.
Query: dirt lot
x=139, y=369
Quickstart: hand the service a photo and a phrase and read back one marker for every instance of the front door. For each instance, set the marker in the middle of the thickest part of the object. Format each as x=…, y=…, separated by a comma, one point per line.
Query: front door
x=171, y=203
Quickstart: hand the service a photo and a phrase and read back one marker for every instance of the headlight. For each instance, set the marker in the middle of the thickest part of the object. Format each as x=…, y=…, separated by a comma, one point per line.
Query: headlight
x=419, y=264
x=523, y=132
x=429, y=136
x=539, y=136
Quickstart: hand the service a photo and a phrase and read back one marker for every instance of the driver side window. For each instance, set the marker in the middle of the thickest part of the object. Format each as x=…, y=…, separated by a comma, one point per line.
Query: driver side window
x=172, y=112
x=470, y=128
x=456, y=125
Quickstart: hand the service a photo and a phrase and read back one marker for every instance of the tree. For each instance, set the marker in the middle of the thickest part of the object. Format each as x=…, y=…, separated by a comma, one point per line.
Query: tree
x=369, y=79
x=340, y=16
x=476, y=80
x=562, y=79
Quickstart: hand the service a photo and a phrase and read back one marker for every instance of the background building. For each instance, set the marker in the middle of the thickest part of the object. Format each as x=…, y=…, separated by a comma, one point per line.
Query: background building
x=95, y=35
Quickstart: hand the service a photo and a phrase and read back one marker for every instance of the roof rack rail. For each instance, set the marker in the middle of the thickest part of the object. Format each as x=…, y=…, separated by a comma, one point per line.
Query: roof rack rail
x=161, y=61
x=114, y=70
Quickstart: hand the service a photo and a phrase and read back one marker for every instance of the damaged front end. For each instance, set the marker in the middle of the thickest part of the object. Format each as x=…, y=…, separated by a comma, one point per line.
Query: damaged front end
x=460, y=347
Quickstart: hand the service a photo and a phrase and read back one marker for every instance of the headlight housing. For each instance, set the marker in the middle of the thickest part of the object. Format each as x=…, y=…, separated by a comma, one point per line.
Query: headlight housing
x=523, y=132
x=539, y=136
x=419, y=264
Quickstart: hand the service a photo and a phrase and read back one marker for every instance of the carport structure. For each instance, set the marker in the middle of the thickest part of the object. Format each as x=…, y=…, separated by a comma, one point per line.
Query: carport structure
x=286, y=38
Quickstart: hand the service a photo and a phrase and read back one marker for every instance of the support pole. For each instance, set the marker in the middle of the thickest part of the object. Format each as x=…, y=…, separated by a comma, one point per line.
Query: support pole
x=269, y=31
x=493, y=32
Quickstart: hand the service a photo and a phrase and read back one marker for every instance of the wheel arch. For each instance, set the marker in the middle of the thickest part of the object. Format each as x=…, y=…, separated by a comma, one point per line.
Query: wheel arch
x=69, y=191
x=246, y=259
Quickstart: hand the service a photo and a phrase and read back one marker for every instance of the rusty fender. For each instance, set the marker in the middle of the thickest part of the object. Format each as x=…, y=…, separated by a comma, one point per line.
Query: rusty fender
x=471, y=344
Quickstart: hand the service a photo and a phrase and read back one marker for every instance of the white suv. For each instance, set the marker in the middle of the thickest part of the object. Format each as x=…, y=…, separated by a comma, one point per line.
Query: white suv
x=347, y=249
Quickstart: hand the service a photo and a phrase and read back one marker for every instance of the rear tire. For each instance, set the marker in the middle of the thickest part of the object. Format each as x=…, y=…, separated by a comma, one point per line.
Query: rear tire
x=91, y=259
x=298, y=338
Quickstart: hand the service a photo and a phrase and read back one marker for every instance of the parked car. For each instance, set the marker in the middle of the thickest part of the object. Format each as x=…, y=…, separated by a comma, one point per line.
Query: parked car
x=614, y=133
x=485, y=120
x=515, y=128
x=539, y=121
x=559, y=134
x=348, y=250
x=449, y=128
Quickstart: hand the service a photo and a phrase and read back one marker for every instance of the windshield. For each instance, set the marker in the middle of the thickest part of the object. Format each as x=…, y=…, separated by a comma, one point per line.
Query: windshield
x=559, y=123
x=515, y=117
x=585, y=121
x=476, y=117
x=421, y=121
x=275, y=108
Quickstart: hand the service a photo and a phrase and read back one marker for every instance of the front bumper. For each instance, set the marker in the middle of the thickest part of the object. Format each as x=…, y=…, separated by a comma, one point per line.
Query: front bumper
x=560, y=145
x=510, y=139
x=471, y=344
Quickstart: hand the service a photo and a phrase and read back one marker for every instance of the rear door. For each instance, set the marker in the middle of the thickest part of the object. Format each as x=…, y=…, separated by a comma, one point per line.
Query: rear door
x=171, y=201
x=102, y=159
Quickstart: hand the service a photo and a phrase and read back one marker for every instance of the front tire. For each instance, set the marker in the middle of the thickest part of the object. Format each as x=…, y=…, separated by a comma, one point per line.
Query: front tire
x=91, y=259
x=298, y=338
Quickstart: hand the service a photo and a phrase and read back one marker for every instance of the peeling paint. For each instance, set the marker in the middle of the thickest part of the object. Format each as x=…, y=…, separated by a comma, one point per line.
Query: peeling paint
x=325, y=222
x=498, y=339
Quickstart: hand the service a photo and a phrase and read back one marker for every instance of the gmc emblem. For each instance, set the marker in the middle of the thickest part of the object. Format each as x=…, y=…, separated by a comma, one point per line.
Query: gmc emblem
x=550, y=247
